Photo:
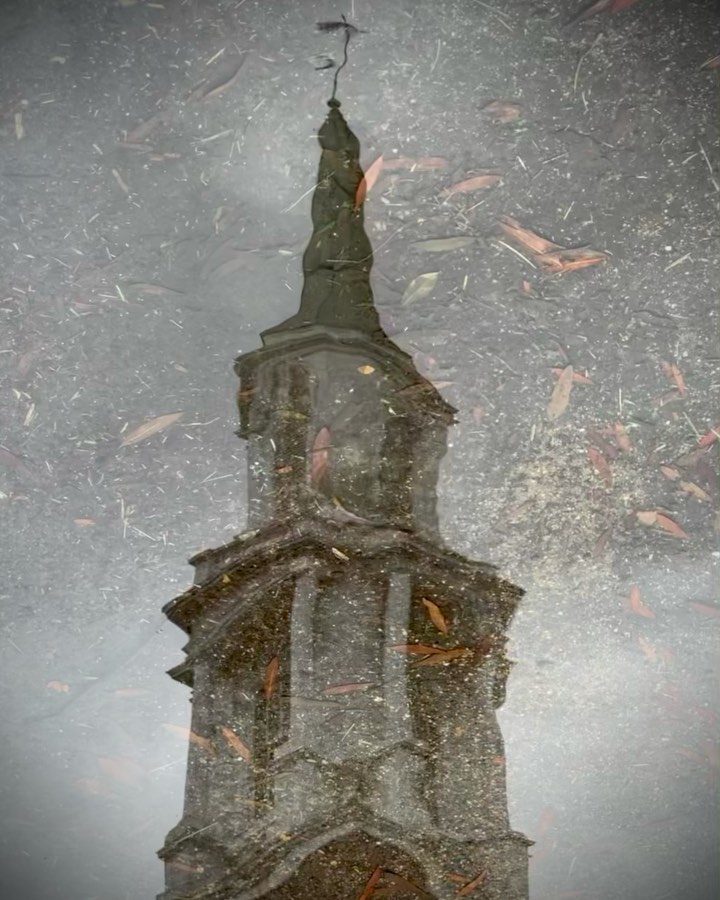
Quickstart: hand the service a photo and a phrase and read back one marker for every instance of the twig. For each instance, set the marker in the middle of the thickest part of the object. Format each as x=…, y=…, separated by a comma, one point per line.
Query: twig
x=580, y=61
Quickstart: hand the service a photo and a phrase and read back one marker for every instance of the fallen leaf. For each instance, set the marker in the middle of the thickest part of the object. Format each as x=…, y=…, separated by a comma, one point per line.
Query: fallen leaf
x=704, y=609
x=653, y=652
x=478, y=414
x=577, y=377
x=477, y=182
x=525, y=237
x=207, y=90
x=340, y=555
x=647, y=516
x=712, y=63
x=671, y=371
x=424, y=162
x=669, y=525
x=121, y=182
x=143, y=130
x=122, y=768
x=419, y=287
x=58, y=686
x=157, y=290
x=417, y=648
x=502, y=111
x=601, y=465
x=473, y=885
x=637, y=605
x=366, y=370
x=272, y=670
x=445, y=656
x=190, y=736
x=436, y=616
x=84, y=522
x=710, y=437
x=443, y=245
x=348, y=688
x=367, y=181
x=370, y=886
x=236, y=744
x=670, y=472
x=560, y=396
x=621, y=436
x=570, y=259
x=19, y=127
x=320, y=456
x=689, y=487
x=149, y=428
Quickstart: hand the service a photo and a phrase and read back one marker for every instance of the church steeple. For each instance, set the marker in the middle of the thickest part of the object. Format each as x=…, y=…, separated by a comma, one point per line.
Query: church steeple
x=346, y=665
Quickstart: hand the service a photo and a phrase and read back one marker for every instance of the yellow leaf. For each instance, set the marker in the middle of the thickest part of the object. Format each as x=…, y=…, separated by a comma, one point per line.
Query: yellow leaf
x=149, y=428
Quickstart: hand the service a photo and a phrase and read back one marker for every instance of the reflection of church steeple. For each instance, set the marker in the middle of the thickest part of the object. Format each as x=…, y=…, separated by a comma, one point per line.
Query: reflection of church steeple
x=346, y=666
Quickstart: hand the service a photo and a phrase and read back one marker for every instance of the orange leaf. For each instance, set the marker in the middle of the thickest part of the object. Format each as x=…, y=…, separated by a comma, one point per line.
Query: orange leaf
x=670, y=472
x=423, y=162
x=370, y=886
x=473, y=885
x=704, y=609
x=122, y=768
x=237, y=745
x=191, y=736
x=672, y=372
x=436, y=616
x=149, y=428
x=445, y=656
x=710, y=437
x=671, y=526
x=271, y=677
x=621, y=436
x=525, y=237
x=85, y=521
x=59, y=686
x=560, y=396
x=348, y=688
x=601, y=465
x=577, y=377
x=367, y=181
x=417, y=648
x=571, y=259
x=636, y=604
x=473, y=184
x=320, y=453
x=502, y=111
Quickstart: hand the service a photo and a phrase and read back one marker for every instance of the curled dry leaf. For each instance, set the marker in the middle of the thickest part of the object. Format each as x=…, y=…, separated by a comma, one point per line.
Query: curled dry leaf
x=601, y=465
x=653, y=517
x=502, y=111
x=236, y=744
x=560, y=397
x=689, y=487
x=436, y=616
x=367, y=181
x=272, y=670
x=477, y=182
x=637, y=605
x=149, y=428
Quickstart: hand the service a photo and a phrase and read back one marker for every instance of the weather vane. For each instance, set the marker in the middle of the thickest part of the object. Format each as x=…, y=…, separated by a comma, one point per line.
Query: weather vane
x=349, y=29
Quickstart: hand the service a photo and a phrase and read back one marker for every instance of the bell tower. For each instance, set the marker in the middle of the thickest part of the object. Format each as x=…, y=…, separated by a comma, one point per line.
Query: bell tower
x=346, y=666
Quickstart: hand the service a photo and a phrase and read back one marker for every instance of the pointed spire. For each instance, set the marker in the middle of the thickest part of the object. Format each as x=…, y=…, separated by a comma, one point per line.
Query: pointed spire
x=337, y=261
